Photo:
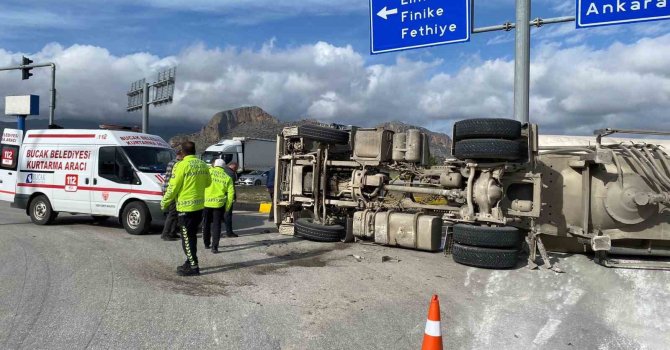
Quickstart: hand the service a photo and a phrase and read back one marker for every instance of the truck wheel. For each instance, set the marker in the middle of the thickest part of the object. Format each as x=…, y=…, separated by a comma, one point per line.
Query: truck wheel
x=488, y=258
x=41, y=212
x=308, y=229
x=322, y=134
x=507, y=129
x=488, y=149
x=136, y=219
x=487, y=237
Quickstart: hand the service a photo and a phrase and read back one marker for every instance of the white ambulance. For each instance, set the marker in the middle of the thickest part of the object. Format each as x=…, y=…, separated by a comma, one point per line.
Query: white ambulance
x=102, y=173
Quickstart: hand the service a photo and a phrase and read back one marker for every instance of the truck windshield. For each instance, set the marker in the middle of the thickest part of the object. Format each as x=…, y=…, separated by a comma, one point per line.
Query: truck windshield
x=150, y=159
x=209, y=157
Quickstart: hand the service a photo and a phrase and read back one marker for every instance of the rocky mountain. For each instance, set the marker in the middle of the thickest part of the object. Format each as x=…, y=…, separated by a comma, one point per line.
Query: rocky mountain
x=255, y=122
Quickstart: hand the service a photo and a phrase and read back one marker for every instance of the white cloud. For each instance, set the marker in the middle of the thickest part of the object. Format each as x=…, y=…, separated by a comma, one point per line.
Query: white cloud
x=575, y=89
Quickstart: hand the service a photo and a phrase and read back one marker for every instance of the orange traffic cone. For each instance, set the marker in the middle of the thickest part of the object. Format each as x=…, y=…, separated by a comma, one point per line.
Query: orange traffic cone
x=432, y=337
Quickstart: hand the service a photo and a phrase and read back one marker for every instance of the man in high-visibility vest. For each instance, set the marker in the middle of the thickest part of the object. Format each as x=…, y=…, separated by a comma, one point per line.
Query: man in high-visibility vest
x=190, y=178
x=218, y=200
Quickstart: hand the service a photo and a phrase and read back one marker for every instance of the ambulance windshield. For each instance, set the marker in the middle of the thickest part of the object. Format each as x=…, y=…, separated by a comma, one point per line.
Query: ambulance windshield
x=150, y=159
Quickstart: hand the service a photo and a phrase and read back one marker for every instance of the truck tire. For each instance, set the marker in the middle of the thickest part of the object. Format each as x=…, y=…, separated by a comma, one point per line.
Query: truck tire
x=506, y=129
x=488, y=149
x=135, y=218
x=488, y=258
x=323, y=134
x=308, y=229
x=487, y=237
x=40, y=211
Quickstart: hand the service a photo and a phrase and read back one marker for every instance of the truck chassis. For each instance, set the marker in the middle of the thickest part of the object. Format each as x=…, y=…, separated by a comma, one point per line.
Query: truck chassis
x=500, y=192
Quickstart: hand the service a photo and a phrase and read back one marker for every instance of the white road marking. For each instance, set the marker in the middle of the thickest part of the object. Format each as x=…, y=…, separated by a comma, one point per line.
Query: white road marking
x=547, y=331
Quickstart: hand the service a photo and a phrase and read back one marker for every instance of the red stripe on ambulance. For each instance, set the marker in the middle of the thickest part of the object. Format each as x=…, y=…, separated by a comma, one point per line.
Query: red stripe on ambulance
x=95, y=189
x=61, y=136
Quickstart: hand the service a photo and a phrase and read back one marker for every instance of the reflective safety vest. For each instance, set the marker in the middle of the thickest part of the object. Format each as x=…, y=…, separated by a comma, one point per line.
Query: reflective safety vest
x=190, y=178
x=222, y=190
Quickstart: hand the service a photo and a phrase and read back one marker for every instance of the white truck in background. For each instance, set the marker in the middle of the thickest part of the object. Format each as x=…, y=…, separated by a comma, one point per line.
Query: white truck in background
x=249, y=153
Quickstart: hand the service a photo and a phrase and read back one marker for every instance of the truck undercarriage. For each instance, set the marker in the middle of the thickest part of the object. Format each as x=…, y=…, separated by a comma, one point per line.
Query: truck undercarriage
x=500, y=189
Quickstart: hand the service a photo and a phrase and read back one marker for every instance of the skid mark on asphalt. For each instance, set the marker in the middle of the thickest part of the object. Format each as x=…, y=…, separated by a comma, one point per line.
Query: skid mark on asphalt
x=109, y=299
x=164, y=277
x=42, y=300
x=22, y=292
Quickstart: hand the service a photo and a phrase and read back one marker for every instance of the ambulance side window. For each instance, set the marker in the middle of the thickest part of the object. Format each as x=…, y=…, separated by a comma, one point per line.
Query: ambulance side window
x=9, y=156
x=114, y=166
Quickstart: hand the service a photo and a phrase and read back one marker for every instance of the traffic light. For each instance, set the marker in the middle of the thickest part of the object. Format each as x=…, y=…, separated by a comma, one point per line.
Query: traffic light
x=25, y=72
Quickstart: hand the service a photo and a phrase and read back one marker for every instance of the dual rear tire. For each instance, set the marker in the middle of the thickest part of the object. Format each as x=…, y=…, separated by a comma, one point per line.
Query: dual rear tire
x=485, y=246
x=308, y=229
x=488, y=140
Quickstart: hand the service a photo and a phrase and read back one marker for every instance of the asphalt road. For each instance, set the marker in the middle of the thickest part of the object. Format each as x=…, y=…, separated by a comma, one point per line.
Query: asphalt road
x=76, y=285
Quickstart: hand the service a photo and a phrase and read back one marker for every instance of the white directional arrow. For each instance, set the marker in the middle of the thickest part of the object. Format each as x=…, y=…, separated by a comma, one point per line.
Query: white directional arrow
x=385, y=12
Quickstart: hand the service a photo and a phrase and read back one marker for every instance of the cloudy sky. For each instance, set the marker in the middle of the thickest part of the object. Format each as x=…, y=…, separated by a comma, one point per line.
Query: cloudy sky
x=310, y=59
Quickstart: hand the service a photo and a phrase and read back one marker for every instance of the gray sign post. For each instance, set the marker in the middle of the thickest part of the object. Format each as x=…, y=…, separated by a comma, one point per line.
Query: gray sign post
x=522, y=52
x=139, y=99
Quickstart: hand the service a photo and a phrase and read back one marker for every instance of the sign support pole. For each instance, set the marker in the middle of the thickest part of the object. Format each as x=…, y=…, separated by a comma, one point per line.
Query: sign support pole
x=522, y=62
x=145, y=109
x=21, y=122
x=522, y=51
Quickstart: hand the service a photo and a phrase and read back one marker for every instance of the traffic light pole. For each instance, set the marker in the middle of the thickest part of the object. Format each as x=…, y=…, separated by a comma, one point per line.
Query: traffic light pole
x=52, y=101
x=522, y=52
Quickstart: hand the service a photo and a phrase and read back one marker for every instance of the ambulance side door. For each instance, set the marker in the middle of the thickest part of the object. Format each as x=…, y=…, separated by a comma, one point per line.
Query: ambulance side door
x=113, y=178
x=72, y=179
x=9, y=162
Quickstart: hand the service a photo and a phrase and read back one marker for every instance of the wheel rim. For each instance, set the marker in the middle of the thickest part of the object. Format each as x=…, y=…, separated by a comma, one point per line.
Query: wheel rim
x=40, y=211
x=134, y=218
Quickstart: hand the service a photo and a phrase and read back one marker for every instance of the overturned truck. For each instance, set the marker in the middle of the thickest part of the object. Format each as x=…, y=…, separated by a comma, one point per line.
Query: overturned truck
x=503, y=189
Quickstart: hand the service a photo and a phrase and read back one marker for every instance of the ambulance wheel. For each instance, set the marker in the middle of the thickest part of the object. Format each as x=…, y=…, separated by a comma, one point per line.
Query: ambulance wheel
x=40, y=211
x=136, y=219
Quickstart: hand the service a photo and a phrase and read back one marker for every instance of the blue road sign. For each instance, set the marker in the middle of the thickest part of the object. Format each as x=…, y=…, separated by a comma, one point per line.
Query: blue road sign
x=409, y=24
x=592, y=13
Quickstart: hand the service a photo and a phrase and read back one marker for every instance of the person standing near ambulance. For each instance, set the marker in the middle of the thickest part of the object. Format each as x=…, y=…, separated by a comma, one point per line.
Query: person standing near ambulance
x=218, y=200
x=190, y=178
x=171, y=227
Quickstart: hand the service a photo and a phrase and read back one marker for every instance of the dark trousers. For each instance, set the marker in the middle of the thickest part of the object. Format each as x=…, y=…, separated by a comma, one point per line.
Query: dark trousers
x=271, y=191
x=228, y=218
x=211, y=225
x=171, y=224
x=188, y=225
